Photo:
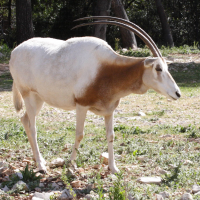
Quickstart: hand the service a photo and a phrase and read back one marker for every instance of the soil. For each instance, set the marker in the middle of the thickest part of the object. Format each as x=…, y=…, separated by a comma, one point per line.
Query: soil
x=4, y=68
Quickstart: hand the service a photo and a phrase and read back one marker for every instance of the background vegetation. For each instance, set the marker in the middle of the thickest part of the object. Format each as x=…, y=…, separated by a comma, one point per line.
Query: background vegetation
x=54, y=18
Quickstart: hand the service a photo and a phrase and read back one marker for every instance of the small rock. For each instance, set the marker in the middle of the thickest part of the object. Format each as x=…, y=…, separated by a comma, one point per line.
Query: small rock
x=165, y=136
x=133, y=118
x=76, y=184
x=43, y=195
x=55, y=186
x=70, y=173
x=149, y=180
x=162, y=171
x=27, y=161
x=41, y=185
x=6, y=178
x=113, y=177
x=159, y=197
x=197, y=194
x=80, y=170
x=141, y=114
x=58, y=162
x=104, y=158
x=130, y=197
x=124, y=50
x=37, y=189
x=90, y=187
x=186, y=162
x=97, y=166
x=164, y=194
x=88, y=197
x=152, y=141
x=19, y=174
x=3, y=167
x=20, y=185
x=37, y=198
x=1, y=55
x=142, y=158
x=188, y=191
x=172, y=166
x=149, y=112
x=66, y=195
x=128, y=169
x=5, y=189
x=67, y=147
x=195, y=189
x=186, y=196
x=94, y=195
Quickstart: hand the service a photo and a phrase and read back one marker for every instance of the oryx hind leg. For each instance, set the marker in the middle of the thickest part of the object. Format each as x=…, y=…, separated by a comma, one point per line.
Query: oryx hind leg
x=33, y=104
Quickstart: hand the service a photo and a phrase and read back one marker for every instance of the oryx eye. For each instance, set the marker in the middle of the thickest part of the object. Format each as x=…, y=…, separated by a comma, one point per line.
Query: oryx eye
x=158, y=68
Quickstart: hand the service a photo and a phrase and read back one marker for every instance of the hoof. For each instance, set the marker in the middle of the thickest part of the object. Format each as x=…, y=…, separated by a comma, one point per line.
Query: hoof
x=114, y=169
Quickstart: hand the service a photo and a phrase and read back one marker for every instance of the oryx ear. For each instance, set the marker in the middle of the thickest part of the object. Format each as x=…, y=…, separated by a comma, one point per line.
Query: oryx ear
x=149, y=61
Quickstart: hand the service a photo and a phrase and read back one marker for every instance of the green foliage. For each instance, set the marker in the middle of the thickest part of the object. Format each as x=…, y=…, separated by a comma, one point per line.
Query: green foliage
x=192, y=131
x=5, y=51
x=129, y=130
x=118, y=191
x=173, y=177
x=144, y=52
x=13, y=180
x=5, y=196
x=55, y=19
x=100, y=190
x=29, y=177
x=67, y=177
x=166, y=51
x=185, y=49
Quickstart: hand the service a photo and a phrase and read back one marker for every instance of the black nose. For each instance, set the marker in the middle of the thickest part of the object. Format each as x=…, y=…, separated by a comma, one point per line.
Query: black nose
x=178, y=94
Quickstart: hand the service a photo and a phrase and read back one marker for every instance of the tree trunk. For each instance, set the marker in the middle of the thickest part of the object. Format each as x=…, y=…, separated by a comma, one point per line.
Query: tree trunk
x=101, y=8
x=165, y=26
x=128, y=37
x=9, y=13
x=24, y=20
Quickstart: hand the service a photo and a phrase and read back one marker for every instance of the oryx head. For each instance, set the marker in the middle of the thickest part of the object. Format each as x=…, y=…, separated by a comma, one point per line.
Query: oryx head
x=156, y=74
x=157, y=77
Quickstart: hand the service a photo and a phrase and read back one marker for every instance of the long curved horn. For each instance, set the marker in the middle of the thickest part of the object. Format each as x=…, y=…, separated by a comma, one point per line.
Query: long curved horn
x=125, y=22
x=145, y=40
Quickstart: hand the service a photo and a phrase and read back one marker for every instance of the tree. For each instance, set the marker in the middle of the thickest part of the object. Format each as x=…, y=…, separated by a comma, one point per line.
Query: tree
x=165, y=26
x=101, y=8
x=24, y=20
x=9, y=13
x=128, y=37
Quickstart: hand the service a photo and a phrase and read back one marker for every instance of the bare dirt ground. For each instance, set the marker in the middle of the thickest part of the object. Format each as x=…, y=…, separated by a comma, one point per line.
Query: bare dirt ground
x=4, y=68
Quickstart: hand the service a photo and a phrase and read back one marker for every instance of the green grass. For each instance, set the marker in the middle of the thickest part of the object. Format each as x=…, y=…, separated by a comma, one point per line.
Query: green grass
x=5, y=82
x=6, y=51
x=134, y=138
x=166, y=51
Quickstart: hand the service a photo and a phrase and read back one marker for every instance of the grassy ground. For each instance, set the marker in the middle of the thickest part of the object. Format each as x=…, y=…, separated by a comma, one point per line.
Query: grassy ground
x=167, y=138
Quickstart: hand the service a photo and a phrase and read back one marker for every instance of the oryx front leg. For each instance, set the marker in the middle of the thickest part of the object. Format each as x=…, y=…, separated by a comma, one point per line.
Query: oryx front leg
x=110, y=138
x=80, y=119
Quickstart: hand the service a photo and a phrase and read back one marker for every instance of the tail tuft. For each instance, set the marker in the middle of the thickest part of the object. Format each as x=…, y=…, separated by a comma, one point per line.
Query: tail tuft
x=17, y=98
